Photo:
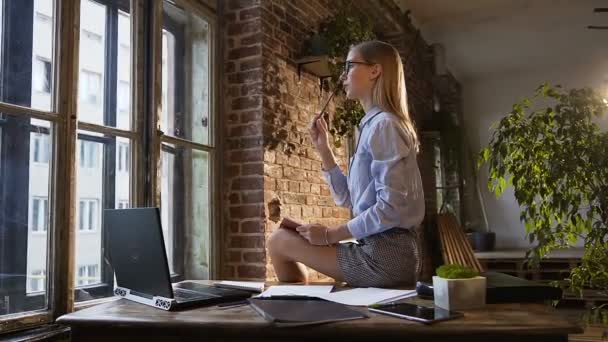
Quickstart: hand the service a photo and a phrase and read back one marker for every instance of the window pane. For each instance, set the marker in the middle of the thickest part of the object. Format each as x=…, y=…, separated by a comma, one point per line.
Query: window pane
x=105, y=63
x=185, y=210
x=90, y=189
x=101, y=185
x=92, y=62
x=24, y=188
x=186, y=76
x=123, y=92
x=27, y=43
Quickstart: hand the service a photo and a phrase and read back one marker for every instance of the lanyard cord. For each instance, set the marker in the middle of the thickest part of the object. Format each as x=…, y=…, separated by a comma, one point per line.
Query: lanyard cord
x=359, y=139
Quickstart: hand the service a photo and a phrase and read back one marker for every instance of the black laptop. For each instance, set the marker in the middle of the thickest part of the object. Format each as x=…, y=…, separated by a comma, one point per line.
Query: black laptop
x=137, y=253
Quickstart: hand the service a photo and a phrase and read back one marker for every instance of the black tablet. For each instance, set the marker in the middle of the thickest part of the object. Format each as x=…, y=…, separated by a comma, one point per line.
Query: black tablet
x=415, y=312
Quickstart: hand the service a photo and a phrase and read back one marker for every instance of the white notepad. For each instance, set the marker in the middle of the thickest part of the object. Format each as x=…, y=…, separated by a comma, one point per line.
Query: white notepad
x=367, y=296
x=297, y=290
x=242, y=285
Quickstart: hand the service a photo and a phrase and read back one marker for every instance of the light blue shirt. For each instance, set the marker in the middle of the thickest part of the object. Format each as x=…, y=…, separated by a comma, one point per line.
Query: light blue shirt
x=384, y=187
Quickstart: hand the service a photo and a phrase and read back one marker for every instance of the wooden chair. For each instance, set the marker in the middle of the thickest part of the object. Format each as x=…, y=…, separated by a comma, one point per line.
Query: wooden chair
x=455, y=248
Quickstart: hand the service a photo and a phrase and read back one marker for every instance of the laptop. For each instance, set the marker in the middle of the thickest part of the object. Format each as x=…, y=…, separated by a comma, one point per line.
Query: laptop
x=137, y=253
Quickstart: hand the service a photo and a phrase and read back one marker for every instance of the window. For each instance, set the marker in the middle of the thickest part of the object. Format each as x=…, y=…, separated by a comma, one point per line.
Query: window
x=186, y=168
x=123, y=204
x=90, y=87
x=42, y=75
x=94, y=37
x=40, y=148
x=37, y=281
x=88, y=215
x=123, y=97
x=40, y=212
x=89, y=154
x=88, y=274
x=123, y=157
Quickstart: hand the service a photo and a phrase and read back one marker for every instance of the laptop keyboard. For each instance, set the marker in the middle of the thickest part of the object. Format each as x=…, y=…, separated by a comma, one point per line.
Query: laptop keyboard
x=182, y=295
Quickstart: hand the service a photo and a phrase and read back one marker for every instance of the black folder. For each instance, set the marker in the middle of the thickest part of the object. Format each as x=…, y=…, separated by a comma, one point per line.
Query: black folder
x=504, y=288
x=298, y=312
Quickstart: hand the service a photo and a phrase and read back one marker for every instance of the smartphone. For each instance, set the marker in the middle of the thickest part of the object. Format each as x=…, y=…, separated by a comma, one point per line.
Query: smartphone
x=423, y=314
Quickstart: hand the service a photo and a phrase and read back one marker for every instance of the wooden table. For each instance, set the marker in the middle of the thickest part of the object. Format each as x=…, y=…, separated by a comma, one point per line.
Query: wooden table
x=122, y=320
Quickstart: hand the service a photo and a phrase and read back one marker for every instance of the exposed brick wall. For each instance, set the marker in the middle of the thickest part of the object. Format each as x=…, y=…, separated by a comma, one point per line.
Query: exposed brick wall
x=271, y=168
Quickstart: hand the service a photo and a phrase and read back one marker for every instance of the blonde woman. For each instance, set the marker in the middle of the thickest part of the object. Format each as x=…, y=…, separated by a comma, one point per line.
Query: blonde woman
x=383, y=188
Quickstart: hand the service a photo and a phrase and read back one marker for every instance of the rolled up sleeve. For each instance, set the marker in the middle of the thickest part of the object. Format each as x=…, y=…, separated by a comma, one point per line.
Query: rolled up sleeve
x=389, y=148
x=338, y=186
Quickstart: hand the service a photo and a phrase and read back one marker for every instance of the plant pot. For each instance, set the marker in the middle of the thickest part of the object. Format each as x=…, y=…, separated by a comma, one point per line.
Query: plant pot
x=459, y=294
x=482, y=241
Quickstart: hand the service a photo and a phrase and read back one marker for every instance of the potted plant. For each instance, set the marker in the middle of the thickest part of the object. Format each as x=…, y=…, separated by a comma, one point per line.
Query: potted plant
x=457, y=287
x=555, y=158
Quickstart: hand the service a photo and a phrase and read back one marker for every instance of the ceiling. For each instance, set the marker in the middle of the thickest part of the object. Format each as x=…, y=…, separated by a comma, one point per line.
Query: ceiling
x=484, y=37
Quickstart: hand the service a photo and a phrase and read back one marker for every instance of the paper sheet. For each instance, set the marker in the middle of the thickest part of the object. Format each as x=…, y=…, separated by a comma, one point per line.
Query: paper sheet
x=367, y=296
x=249, y=285
x=297, y=290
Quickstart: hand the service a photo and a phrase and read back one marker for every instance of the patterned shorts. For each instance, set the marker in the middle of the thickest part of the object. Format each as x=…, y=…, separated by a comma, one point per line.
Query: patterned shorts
x=387, y=259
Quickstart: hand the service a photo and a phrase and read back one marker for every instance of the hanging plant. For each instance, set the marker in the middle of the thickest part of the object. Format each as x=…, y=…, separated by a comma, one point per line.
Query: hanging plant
x=334, y=39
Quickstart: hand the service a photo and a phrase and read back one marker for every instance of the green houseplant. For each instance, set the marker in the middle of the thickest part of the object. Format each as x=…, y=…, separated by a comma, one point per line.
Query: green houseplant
x=556, y=159
x=334, y=39
x=457, y=287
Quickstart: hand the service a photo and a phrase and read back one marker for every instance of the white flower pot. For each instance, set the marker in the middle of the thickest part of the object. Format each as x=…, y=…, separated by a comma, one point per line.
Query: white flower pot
x=459, y=294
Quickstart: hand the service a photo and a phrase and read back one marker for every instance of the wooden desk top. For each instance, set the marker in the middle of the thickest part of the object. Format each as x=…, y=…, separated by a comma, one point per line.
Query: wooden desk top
x=502, y=319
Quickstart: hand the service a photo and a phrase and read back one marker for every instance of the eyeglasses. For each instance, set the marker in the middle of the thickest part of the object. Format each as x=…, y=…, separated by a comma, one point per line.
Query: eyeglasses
x=349, y=65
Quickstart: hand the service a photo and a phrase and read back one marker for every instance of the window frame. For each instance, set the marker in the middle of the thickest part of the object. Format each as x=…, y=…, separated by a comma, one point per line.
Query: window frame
x=145, y=140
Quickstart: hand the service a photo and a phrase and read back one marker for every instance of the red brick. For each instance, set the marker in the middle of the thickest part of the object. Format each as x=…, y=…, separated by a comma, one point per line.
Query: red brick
x=250, y=13
x=250, y=76
x=228, y=272
x=251, y=89
x=249, y=227
x=234, y=170
x=248, y=183
x=247, y=117
x=244, y=51
x=250, y=271
x=230, y=17
x=254, y=257
x=234, y=226
x=234, y=257
x=252, y=39
x=235, y=29
x=256, y=169
x=250, y=241
x=294, y=186
x=246, y=130
x=234, y=198
x=229, y=67
x=239, y=4
x=244, y=156
x=253, y=196
x=246, y=102
x=248, y=64
x=279, y=11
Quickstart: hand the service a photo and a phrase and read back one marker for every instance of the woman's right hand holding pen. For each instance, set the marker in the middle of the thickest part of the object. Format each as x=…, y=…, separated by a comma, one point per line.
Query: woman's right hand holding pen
x=320, y=139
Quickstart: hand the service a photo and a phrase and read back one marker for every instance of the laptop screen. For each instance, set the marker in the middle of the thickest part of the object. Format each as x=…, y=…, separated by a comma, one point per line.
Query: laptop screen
x=137, y=250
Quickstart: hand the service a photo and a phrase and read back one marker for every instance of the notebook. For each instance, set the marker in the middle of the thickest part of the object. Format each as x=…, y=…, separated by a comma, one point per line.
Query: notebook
x=253, y=286
x=302, y=311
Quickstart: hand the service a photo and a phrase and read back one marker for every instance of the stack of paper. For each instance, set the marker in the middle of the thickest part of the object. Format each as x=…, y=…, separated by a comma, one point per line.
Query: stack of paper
x=368, y=296
x=357, y=297
x=242, y=285
x=296, y=290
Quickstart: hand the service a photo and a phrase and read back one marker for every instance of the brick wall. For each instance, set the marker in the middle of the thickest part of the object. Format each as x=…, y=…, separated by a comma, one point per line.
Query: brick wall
x=271, y=168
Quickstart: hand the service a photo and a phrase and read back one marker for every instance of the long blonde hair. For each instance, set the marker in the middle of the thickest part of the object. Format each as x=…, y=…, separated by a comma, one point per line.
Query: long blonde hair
x=389, y=91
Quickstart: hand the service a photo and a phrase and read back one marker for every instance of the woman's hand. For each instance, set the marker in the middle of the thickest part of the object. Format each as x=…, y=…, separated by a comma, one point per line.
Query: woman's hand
x=316, y=234
x=319, y=133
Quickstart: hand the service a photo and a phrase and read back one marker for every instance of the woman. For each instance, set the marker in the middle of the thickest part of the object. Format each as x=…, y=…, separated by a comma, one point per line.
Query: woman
x=383, y=189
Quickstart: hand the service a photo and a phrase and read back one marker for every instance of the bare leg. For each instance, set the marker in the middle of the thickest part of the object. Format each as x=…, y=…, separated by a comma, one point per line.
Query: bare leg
x=288, y=249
